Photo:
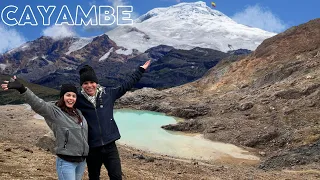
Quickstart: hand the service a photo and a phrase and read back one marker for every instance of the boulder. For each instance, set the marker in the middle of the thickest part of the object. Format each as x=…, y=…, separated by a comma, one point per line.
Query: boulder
x=47, y=142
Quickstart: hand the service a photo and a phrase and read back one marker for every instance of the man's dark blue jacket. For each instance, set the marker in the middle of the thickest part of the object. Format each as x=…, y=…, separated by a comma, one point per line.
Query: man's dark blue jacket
x=102, y=127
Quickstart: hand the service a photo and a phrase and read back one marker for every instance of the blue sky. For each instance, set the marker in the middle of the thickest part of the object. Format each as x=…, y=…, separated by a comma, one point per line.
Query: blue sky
x=271, y=15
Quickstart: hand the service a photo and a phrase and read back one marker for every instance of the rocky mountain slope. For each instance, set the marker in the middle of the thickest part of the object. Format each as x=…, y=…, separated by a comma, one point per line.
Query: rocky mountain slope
x=184, y=41
x=268, y=100
x=51, y=62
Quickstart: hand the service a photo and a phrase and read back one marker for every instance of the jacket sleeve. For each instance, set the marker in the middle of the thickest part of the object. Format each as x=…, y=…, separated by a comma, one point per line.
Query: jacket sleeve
x=45, y=109
x=128, y=84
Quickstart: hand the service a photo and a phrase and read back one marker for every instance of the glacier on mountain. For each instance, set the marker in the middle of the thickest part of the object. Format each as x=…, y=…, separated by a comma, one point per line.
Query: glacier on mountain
x=186, y=26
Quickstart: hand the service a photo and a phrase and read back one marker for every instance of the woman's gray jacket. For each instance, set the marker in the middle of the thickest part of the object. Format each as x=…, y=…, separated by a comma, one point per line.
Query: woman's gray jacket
x=71, y=137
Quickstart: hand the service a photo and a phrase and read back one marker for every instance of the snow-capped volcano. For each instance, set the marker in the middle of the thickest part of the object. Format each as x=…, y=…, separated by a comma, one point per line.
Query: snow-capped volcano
x=185, y=26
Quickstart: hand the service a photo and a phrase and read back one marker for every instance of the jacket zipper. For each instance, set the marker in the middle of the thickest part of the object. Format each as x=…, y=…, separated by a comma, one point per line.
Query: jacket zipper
x=95, y=108
x=84, y=146
x=99, y=125
x=66, y=140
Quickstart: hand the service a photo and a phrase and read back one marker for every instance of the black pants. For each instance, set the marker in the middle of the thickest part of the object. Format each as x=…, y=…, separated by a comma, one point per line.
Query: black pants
x=107, y=155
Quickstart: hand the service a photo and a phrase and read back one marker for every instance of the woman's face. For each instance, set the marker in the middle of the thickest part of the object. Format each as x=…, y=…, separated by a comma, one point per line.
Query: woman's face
x=70, y=99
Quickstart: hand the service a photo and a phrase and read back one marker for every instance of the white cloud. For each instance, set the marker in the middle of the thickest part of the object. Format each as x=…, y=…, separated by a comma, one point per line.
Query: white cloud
x=177, y=1
x=10, y=38
x=114, y=4
x=59, y=31
x=256, y=16
x=91, y=3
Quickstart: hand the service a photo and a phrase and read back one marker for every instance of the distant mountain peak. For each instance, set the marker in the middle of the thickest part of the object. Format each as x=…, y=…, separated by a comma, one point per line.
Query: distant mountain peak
x=186, y=26
x=199, y=7
x=182, y=11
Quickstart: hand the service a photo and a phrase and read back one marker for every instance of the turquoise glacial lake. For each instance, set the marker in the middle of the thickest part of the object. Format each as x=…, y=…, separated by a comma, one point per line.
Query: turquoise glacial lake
x=142, y=130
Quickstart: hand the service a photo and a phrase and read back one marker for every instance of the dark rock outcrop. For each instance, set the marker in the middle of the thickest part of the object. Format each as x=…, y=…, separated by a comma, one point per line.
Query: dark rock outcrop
x=297, y=156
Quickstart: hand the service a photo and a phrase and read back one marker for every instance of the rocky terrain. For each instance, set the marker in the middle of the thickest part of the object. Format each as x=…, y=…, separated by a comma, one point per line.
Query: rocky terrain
x=268, y=100
x=21, y=158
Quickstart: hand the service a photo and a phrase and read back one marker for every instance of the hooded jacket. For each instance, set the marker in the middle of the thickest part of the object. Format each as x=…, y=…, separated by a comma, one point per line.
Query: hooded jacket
x=102, y=127
x=71, y=137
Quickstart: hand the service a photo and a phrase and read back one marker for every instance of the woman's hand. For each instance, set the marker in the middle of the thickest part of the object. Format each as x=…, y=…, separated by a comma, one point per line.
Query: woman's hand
x=13, y=84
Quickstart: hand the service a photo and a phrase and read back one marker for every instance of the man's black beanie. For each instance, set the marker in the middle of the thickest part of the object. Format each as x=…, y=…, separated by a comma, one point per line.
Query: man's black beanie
x=87, y=74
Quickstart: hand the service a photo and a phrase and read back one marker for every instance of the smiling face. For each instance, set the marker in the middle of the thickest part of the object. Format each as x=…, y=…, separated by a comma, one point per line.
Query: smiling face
x=69, y=99
x=90, y=87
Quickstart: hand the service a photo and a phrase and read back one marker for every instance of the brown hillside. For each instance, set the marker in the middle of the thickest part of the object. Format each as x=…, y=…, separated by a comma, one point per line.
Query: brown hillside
x=295, y=51
x=269, y=100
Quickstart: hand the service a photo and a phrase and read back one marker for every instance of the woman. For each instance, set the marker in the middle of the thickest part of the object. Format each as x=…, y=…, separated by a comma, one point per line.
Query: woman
x=68, y=125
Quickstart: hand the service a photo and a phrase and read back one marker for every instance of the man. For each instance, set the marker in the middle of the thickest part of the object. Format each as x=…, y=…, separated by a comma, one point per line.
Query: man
x=96, y=104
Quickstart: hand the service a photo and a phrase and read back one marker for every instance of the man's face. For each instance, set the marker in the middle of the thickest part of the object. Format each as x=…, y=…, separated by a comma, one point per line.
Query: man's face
x=90, y=87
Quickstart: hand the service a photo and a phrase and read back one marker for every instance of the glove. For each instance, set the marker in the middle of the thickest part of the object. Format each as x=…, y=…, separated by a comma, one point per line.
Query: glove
x=15, y=84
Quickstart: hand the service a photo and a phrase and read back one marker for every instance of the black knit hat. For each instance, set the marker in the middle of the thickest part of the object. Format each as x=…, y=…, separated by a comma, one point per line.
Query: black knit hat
x=87, y=74
x=67, y=88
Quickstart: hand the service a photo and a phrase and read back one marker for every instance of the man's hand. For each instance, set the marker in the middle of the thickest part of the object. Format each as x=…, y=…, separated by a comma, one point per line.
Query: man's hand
x=146, y=65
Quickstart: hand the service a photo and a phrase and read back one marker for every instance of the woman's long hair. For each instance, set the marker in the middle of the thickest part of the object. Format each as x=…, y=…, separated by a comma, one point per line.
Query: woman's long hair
x=71, y=111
